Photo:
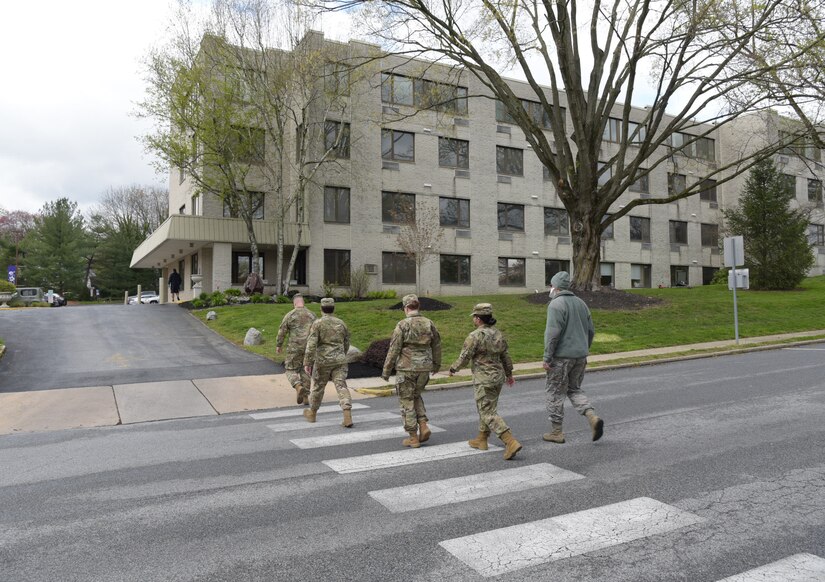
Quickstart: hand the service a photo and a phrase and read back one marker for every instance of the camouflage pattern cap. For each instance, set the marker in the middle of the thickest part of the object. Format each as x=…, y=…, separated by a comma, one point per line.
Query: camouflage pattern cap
x=482, y=309
x=327, y=302
x=409, y=299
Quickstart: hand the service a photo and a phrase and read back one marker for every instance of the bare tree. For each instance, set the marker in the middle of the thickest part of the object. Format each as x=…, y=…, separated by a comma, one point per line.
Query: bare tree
x=599, y=57
x=419, y=239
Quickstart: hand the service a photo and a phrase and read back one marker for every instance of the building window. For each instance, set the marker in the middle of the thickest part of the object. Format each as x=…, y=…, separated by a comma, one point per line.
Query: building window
x=336, y=204
x=710, y=235
x=453, y=153
x=556, y=222
x=639, y=276
x=693, y=147
x=299, y=273
x=246, y=145
x=678, y=232
x=815, y=191
x=397, y=145
x=182, y=271
x=454, y=212
x=252, y=201
x=336, y=79
x=553, y=266
x=336, y=139
x=181, y=175
x=789, y=184
x=607, y=231
x=510, y=216
x=242, y=267
x=639, y=229
x=816, y=234
x=182, y=209
x=606, y=274
x=397, y=269
x=676, y=184
x=678, y=276
x=196, y=205
x=613, y=131
x=605, y=173
x=336, y=267
x=423, y=93
x=641, y=185
x=538, y=114
x=196, y=270
x=509, y=161
x=455, y=270
x=546, y=173
x=397, y=208
x=708, y=190
x=708, y=273
x=510, y=272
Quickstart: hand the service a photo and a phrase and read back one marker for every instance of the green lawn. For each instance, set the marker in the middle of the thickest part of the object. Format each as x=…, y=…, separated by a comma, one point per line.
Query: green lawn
x=688, y=316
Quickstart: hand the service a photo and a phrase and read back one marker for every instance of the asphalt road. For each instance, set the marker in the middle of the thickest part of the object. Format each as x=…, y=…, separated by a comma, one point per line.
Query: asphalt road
x=102, y=345
x=733, y=445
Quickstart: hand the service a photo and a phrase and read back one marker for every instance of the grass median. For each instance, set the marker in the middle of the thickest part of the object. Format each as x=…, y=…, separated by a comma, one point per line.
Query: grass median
x=686, y=316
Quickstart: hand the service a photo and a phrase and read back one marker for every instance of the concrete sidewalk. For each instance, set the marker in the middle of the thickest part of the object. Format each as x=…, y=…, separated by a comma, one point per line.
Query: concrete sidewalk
x=132, y=403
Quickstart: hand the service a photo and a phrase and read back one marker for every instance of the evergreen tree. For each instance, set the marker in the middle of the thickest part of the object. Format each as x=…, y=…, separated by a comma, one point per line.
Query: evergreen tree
x=777, y=250
x=57, y=248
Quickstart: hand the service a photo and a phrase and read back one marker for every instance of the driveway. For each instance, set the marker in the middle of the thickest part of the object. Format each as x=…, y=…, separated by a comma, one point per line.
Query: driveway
x=101, y=345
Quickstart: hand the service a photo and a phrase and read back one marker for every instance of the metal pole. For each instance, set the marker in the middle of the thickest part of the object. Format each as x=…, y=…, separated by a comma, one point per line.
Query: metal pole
x=735, y=310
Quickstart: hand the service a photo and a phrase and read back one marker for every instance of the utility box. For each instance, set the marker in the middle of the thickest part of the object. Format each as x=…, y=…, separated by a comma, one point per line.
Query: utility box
x=742, y=279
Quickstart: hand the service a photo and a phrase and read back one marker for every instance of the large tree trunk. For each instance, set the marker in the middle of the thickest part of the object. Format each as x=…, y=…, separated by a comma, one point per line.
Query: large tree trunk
x=293, y=257
x=279, y=268
x=586, y=251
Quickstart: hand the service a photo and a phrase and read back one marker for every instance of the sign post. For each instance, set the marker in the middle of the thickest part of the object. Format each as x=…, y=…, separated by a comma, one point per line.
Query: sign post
x=734, y=247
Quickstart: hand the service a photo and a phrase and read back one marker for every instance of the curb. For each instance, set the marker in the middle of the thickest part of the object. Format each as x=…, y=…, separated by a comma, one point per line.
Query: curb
x=534, y=375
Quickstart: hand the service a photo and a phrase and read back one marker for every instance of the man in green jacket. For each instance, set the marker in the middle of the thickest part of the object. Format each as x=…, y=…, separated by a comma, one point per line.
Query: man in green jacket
x=567, y=339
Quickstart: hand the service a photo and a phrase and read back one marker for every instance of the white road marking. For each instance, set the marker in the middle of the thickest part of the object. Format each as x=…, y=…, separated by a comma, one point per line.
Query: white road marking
x=478, y=486
x=807, y=349
x=796, y=568
x=299, y=411
x=402, y=457
x=521, y=546
x=330, y=421
x=355, y=436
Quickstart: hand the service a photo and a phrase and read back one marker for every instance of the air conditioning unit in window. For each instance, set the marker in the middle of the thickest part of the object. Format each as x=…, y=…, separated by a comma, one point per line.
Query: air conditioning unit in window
x=784, y=159
x=503, y=129
x=461, y=121
x=462, y=173
x=371, y=269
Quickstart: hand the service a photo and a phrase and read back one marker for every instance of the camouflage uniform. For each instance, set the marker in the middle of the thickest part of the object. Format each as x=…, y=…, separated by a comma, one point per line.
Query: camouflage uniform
x=296, y=324
x=491, y=365
x=415, y=352
x=326, y=353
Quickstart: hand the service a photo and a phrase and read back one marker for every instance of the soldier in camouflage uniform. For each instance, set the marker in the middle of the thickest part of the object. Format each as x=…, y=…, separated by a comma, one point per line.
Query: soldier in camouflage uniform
x=415, y=353
x=326, y=359
x=486, y=348
x=296, y=324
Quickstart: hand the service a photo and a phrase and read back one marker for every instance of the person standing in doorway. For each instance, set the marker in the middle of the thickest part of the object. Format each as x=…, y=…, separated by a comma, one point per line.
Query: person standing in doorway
x=325, y=359
x=492, y=366
x=415, y=353
x=296, y=324
x=174, y=285
x=568, y=336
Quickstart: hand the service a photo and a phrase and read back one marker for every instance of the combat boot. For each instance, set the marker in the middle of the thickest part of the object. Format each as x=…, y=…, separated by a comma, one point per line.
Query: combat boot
x=596, y=424
x=511, y=445
x=555, y=436
x=424, y=431
x=347, y=422
x=309, y=414
x=300, y=390
x=480, y=442
x=413, y=441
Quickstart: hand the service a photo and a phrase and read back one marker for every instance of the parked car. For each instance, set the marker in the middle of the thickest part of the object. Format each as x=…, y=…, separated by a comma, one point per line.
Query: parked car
x=29, y=295
x=57, y=300
x=145, y=297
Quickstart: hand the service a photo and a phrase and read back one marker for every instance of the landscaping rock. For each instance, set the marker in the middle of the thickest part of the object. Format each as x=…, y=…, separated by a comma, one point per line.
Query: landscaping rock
x=253, y=337
x=353, y=355
x=211, y=316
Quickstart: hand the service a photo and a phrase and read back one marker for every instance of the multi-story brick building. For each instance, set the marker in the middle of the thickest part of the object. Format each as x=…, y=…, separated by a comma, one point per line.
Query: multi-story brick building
x=505, y=229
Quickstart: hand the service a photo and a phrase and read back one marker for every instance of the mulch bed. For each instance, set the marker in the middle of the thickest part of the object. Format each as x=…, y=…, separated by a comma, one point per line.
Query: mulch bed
x=427, y=304
x=608, y=299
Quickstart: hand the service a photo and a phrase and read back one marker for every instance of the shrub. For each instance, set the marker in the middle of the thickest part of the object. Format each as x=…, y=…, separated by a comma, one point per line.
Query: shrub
x=376, y=353
x=385, y=294
x=260, y=298
x=217, y=299
x=232, y=292
x=199, y=303
x=283, y=299
x=327, y=289
x=204, y=296
x=720, y=277
x=359, y=283
x=6, y=287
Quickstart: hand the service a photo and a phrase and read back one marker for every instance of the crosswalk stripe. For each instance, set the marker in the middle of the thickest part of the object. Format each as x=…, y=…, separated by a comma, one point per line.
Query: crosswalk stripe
x=796, y=568
x=349, y=438
x=470, y=487
x=521, y=546
x=402, y=457
x=299, y=411
x=332, y=421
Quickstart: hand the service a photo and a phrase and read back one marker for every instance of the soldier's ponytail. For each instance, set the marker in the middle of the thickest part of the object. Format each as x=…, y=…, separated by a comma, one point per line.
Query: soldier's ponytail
x=487, y=319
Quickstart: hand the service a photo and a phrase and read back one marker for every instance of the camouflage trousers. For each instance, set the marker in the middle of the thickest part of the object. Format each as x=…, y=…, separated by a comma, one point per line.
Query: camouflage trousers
x=409, y=386
x=320, y=377
x=564, y=380
x=295, y=373
x=486, y=396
